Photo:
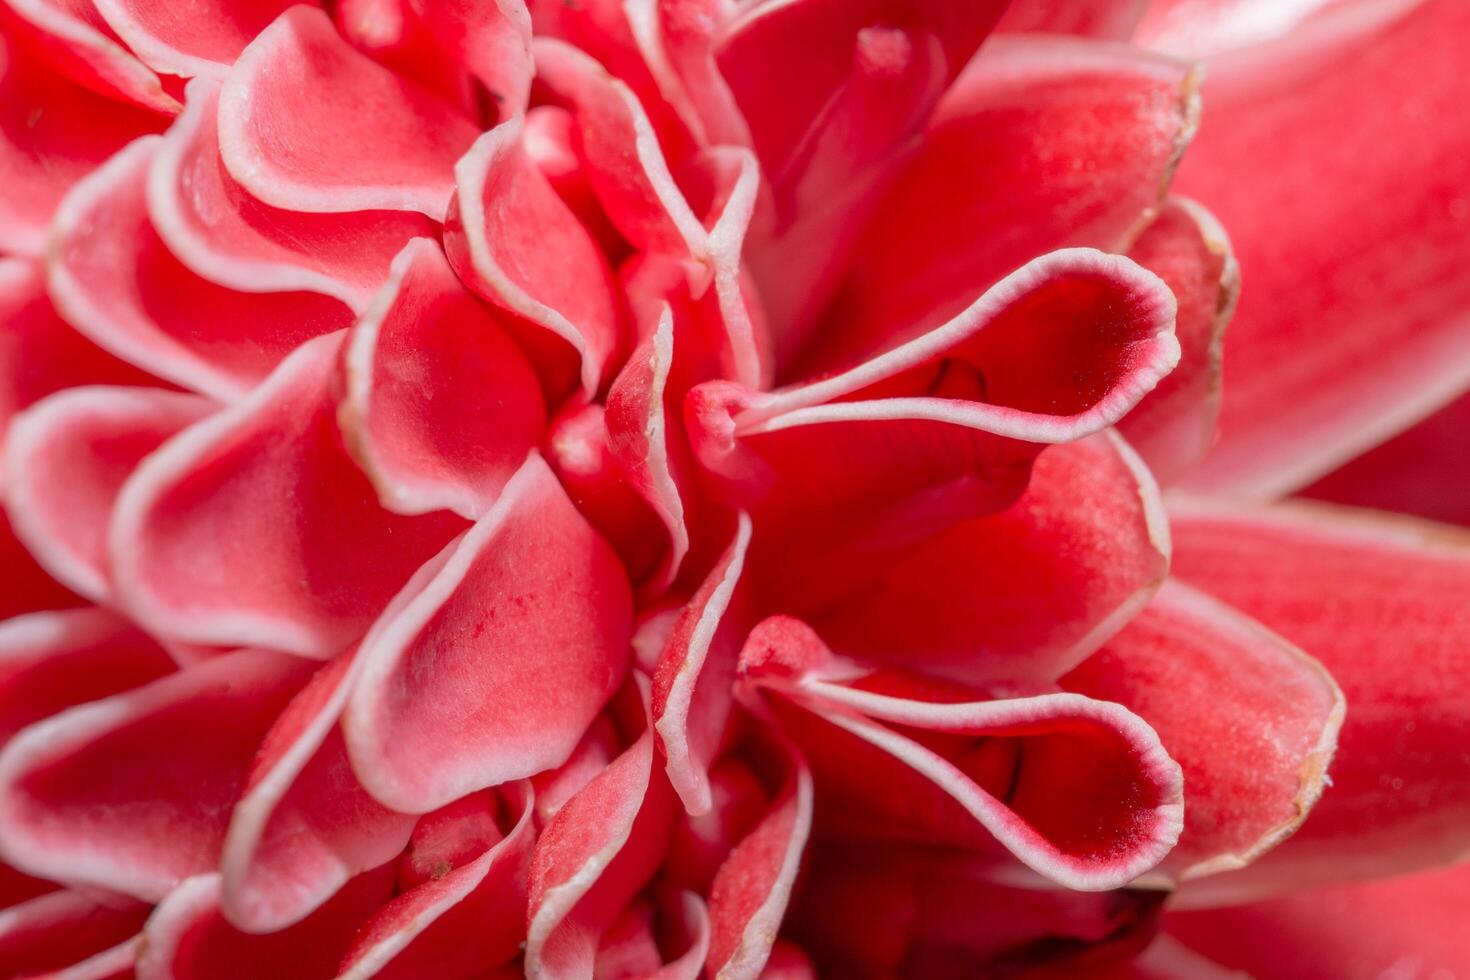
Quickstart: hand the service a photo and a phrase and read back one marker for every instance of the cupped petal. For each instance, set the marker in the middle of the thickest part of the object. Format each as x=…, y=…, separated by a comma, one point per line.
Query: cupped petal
x=441, y=407
x=677, y=41
x=751, y=890
x=432, y=717
x=66, y=458
x=112, y=277
x=1023, y=595
x=1061, y=348
x=600, y=849
x=1112, y=20
x=133, y=793
x=1323, y=367
x=1174, y=427
x=691, y=687
x=631, y=946
x=458, y=923
x=1080, y=791
x=46, y=935
x=204, y=38
x=188, y=937
x=305, y=568
x=1062, y=142
x=73, y=39
x=52, y=133
x=515, y=243
x=1379, y=601
x=1250, y=719
x=223, y=234
x=300, y=103
x=51, y=661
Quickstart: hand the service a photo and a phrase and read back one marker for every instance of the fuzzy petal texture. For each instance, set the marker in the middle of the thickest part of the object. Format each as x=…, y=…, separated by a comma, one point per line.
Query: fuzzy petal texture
x=432, y=717
x=1379, y=602
x=441, y=407
x=1251, y=720
x=80, y=803
x=299, y=92
x=304, y=569
x=66, y=458
x=113, y=278
x=1322, y=368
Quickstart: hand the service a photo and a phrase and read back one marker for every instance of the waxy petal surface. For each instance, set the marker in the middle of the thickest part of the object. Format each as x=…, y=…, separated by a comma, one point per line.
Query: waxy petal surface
x=203, y=38
x=55, y=931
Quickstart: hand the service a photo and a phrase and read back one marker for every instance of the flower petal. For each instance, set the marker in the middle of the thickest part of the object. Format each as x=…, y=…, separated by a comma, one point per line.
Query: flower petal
x=441, y=407
x=51, y=661
x=630, y=946
x=113, y=279
x=431, y=717
x=66, y=458
x=1322, y=367
x=1060, y=142
x=188, y=938
x=1112, y=20
x=54, y=931
x=221, y=233
x=303, y=569
x=1079, y=791
x=1026, y=594
x=299, y=96
x=515, y=243
x=1379, y=602
x=205, y=39
x=132, y=793
x=1251, y=720
x=462, y=923
x=73, y=39
x=1200, y=28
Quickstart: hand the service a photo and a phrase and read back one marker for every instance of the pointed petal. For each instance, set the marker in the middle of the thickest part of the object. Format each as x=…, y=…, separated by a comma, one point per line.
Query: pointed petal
x=188, y=938
x=132, y=793
x=1251, y=720
x=461, y=923
x=1379, y=602
x=1061, y=142
x=1026, y=594
x=514, y=242
x=54, y=931
x=1080, y=791
x=431, y=718
x=113, y=279
x=51, y=661
x=691, y=688
x=1321, y=368
x=204, y=40
x=65, y=459
x=1358, y=932
x=1174, y=427
x=291, y=111
x=306, y=568
x=221, y=233
x=441, y=407
x=1112, y=20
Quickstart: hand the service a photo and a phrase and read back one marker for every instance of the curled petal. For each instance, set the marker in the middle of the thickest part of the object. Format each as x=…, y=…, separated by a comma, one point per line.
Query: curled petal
x=1296, y=407
x=677, y=41
x=65, y=459
x=1023, y=595
x=514, y=242
x=205, y=40
x=441, y=407
x=112, y=277
x=1378, y=602
x=432, y=717
x=460, y=923
x=630, y=947
x=305, y=568
x=596, y=853
x=219, y=231
x=51, y=661
x=74, y=40
x=1203, y=28
x=188, y=937
x=1080, y=791
x=56, y=931
x=1251, y=720
x=295, y=100
x=1062, y=143
x=132, y=793
x=1174, y=427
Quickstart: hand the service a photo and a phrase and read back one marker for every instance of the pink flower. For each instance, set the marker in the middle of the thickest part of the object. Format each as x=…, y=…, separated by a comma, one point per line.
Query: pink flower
x=670, y=488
